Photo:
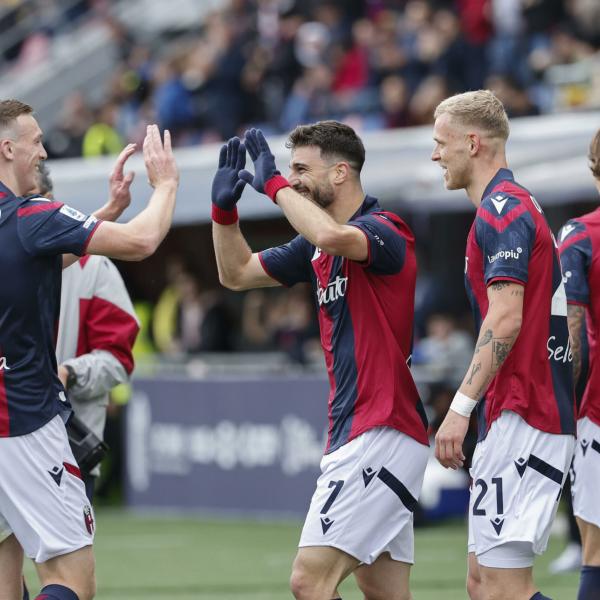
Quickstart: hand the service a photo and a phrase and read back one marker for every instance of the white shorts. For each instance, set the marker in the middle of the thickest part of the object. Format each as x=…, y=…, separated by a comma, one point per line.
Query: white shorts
x=366, y=495
x=585, y=473
x=518, y=473
x=42, y=496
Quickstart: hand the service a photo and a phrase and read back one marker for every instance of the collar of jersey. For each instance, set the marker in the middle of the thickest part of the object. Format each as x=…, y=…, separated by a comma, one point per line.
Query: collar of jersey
x=369, y=205
x=499, y=177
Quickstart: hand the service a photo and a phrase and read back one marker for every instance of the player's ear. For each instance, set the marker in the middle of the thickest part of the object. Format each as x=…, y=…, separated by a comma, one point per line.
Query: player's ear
x=341, y=172
x=7, y=149
x=474, y=142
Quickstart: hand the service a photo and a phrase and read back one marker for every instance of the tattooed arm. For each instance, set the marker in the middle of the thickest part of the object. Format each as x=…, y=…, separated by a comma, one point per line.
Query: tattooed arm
x=576, y=320
x=497, y=336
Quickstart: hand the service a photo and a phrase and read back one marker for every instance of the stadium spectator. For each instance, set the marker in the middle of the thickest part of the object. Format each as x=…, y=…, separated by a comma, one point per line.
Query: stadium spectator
x=305, y=61
x=360, y=262
x=53, y=524
x=445, y=350
x=578, y=250
x=283, y=322
x=520, y=378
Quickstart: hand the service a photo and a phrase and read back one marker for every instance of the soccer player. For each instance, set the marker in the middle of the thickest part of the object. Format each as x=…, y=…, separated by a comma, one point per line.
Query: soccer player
x=361, y=264
x=43, y=508
x=579, y=240
x=97, y=325
x=520, y=376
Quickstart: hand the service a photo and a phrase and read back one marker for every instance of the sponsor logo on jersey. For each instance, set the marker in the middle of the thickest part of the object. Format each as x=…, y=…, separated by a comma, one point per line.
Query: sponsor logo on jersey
x=565, y=231
x=3, y=364
x=561, y=354
x=505, y=255
x=72, y=213
x=334, y=291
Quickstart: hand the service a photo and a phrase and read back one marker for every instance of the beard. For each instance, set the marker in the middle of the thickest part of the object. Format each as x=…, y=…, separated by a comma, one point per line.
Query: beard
x=323, y=196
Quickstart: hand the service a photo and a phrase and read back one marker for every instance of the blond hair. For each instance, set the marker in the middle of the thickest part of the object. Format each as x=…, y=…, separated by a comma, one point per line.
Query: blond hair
x=9, y=111
x=479, y=109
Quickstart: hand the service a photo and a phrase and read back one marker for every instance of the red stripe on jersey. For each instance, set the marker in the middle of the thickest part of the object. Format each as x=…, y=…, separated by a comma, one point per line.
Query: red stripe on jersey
x=33, y=209
x=89, y=237
x=572, y=240
x=105, y=326
x=503, y=278
x=73, y=469
x=3, y=195
x=4, y=420
x=266, y=269
x=501, y=224
x=83, y=260
x=388, y=222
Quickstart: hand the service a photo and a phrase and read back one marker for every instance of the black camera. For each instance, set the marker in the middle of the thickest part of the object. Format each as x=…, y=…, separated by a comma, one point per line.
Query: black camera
x=88, y=449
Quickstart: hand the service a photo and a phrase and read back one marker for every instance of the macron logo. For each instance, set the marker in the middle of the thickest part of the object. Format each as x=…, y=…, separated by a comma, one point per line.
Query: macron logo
x=3, y=365
x=566, y=230
x=316, y=254
x=499, y=202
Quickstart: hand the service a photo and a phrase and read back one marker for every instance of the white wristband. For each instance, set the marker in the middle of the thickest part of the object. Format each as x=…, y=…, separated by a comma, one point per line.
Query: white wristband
x=462, y=404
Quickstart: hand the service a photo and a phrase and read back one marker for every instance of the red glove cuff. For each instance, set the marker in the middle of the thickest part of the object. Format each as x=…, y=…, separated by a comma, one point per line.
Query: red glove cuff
x=273, y=185
x=224, y=217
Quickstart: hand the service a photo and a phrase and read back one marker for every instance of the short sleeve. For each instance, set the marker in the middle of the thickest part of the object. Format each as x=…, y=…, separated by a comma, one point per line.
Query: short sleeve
x=289, y=264
x=575, y=247
x=386, y=242
x=50, y=228
x=505, y=232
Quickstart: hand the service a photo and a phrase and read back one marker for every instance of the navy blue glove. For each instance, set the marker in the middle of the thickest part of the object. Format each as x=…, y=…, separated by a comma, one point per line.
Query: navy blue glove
x=227, y=187
x=266, y=179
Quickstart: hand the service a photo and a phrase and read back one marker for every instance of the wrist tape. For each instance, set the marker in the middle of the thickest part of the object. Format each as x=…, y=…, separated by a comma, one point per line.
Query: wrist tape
x=462, y=404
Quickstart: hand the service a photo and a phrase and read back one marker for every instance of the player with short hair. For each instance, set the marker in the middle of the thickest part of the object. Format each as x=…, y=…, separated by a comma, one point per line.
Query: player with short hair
x=43, y=507
x=360, y=261
x=520, y=376
x=579, y=243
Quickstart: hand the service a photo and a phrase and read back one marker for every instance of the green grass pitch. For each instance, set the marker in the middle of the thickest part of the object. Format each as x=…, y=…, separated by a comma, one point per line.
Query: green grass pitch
x=198, y=559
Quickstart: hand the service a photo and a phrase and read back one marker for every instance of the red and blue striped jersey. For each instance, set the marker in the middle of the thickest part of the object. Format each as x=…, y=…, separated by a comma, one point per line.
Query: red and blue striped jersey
x=34, y=233
x=366, y=315
x=579, y=243
x=510, y=240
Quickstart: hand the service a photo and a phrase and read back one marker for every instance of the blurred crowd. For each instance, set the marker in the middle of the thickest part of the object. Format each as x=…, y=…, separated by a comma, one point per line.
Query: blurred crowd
x=374, y=63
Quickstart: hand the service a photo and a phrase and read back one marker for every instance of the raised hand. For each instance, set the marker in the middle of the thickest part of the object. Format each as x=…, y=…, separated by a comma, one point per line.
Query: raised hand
x=227, y=187
x=158, y=158
x=263, y=159
x=120, y=183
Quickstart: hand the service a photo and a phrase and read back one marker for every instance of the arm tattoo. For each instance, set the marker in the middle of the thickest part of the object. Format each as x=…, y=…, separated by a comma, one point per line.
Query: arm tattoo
x=576, y=319
x=500, y=285
x=500, y=349
x=474, y=369
x=486, y=338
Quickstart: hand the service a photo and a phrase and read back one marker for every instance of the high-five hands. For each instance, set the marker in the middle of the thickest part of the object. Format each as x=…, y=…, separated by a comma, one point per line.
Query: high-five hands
x=227, y=187
x=267, y=178
x=158, y=158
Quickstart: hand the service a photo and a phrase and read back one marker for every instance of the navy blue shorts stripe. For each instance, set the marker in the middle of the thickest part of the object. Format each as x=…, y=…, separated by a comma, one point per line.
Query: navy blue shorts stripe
x=595, y=446
x=398, y=488
x=542, y=467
